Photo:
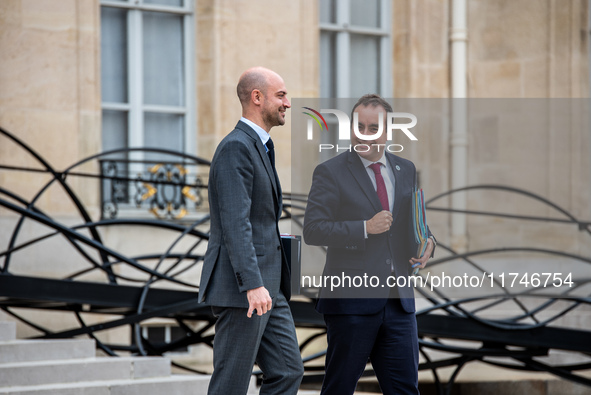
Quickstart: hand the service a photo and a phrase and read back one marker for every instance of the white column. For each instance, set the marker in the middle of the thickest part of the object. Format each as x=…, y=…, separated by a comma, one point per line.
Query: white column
x=459, y=119
x=135, y=53
x=343, y=50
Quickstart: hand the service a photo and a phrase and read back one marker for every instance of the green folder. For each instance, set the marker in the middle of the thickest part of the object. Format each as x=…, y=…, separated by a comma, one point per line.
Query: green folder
x=419, y=221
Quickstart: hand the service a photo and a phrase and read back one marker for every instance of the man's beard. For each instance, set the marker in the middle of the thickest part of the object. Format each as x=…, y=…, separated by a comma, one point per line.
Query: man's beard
x=273, y=118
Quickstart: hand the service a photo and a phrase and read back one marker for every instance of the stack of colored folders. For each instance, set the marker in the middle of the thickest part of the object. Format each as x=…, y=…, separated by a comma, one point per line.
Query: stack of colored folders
x=420, y=230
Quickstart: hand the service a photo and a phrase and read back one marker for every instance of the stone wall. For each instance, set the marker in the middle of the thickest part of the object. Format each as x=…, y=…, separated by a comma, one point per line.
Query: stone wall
x=516, y=50
x=233, y=35
x=50, y=97
x=50, y=88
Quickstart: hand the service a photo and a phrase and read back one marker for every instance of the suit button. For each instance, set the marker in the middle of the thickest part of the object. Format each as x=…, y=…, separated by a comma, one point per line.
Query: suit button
x=389, y=262
x=278, y=247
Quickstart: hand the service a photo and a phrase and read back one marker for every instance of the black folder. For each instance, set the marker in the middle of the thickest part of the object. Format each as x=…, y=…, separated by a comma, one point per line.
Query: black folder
x=292, y=245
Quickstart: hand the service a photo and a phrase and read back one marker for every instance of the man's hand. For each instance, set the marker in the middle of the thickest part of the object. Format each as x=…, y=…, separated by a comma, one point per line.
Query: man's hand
x=380, y=223
x=259, y=300
x=422, y=262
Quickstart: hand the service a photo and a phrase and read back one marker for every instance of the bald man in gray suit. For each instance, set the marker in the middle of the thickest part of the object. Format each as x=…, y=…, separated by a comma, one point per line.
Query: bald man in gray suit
x=245, y=277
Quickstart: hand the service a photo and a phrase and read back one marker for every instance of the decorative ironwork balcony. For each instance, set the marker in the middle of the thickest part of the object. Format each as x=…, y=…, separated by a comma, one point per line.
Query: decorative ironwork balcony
x=162, y=189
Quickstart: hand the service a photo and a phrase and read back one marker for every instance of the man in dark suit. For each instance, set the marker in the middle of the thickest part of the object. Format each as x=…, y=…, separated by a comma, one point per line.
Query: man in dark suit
x=245, y=269
x=359, y=207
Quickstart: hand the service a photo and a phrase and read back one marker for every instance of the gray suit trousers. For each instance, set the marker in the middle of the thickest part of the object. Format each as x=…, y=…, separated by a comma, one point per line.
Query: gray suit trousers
x=269, y=340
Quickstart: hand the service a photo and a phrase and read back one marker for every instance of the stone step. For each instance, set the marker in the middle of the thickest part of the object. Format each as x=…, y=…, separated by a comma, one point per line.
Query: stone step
x=171, y=385
x=79, y=370
x=42, y=350
x=7, y=331
x=149, y=367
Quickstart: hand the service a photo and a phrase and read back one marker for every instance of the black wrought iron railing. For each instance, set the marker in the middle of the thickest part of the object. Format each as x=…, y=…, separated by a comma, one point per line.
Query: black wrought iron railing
x=132, y=283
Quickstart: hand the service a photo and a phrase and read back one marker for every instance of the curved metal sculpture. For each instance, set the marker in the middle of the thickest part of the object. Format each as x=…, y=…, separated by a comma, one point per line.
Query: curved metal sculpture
x=67, y=292
x=523, y=338
x=130, y=289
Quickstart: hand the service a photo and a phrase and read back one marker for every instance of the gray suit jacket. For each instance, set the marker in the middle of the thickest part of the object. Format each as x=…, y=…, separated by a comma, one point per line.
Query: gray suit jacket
x=244, y=249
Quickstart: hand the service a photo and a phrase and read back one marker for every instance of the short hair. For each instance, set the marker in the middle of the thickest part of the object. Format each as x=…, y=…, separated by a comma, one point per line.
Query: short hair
x=251, y=80
x=373, y=100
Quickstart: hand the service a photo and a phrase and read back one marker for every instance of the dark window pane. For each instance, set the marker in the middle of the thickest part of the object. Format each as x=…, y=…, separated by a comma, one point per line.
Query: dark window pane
x=327, y=64
x=114, y=55
x=163, y=59
x=156, y=334
x=365, y=13
x=115, y=130
x=164, y=131
x=178, y=3
x=365, y=65
x=327, y=11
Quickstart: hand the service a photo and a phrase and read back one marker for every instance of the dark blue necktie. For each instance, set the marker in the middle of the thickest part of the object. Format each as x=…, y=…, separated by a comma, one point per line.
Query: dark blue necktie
x=271, y=153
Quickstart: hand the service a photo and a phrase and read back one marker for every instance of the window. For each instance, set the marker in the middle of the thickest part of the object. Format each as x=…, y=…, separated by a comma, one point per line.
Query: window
x=355, y=52
x=161, y=335
x=147, y=76
x=355, y=48
x=148, y=96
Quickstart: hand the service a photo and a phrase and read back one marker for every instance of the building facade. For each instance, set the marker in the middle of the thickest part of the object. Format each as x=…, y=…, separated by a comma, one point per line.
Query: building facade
x=78, y=77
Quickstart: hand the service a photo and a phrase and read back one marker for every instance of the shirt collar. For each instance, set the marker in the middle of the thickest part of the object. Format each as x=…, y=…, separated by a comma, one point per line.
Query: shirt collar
x=366, y=162
x=263, y=135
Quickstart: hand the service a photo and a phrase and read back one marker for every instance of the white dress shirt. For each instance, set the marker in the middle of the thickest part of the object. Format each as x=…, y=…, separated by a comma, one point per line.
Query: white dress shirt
x=263, y=135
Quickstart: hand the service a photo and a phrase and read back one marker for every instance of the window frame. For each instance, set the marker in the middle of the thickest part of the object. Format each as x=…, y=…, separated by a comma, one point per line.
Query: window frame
x=135, y=108
x=343, y=29
x=168, y=328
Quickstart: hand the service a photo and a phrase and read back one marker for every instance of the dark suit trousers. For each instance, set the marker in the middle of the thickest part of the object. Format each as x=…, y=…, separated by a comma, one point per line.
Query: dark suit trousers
x=388, y=339
x=269, y=340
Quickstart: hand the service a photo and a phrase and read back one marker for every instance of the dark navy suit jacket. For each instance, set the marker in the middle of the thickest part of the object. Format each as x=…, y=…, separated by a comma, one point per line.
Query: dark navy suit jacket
x=341, y=198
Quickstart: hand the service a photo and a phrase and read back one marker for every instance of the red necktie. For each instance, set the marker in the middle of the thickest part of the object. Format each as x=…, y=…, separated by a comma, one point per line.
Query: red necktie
x=381, y=185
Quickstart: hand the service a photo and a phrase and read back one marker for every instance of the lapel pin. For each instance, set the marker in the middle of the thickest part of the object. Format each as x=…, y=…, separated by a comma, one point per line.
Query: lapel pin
x=397, y=167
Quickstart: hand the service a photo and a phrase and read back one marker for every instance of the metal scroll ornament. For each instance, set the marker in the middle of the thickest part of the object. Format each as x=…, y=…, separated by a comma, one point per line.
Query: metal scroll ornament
x=166, y=192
